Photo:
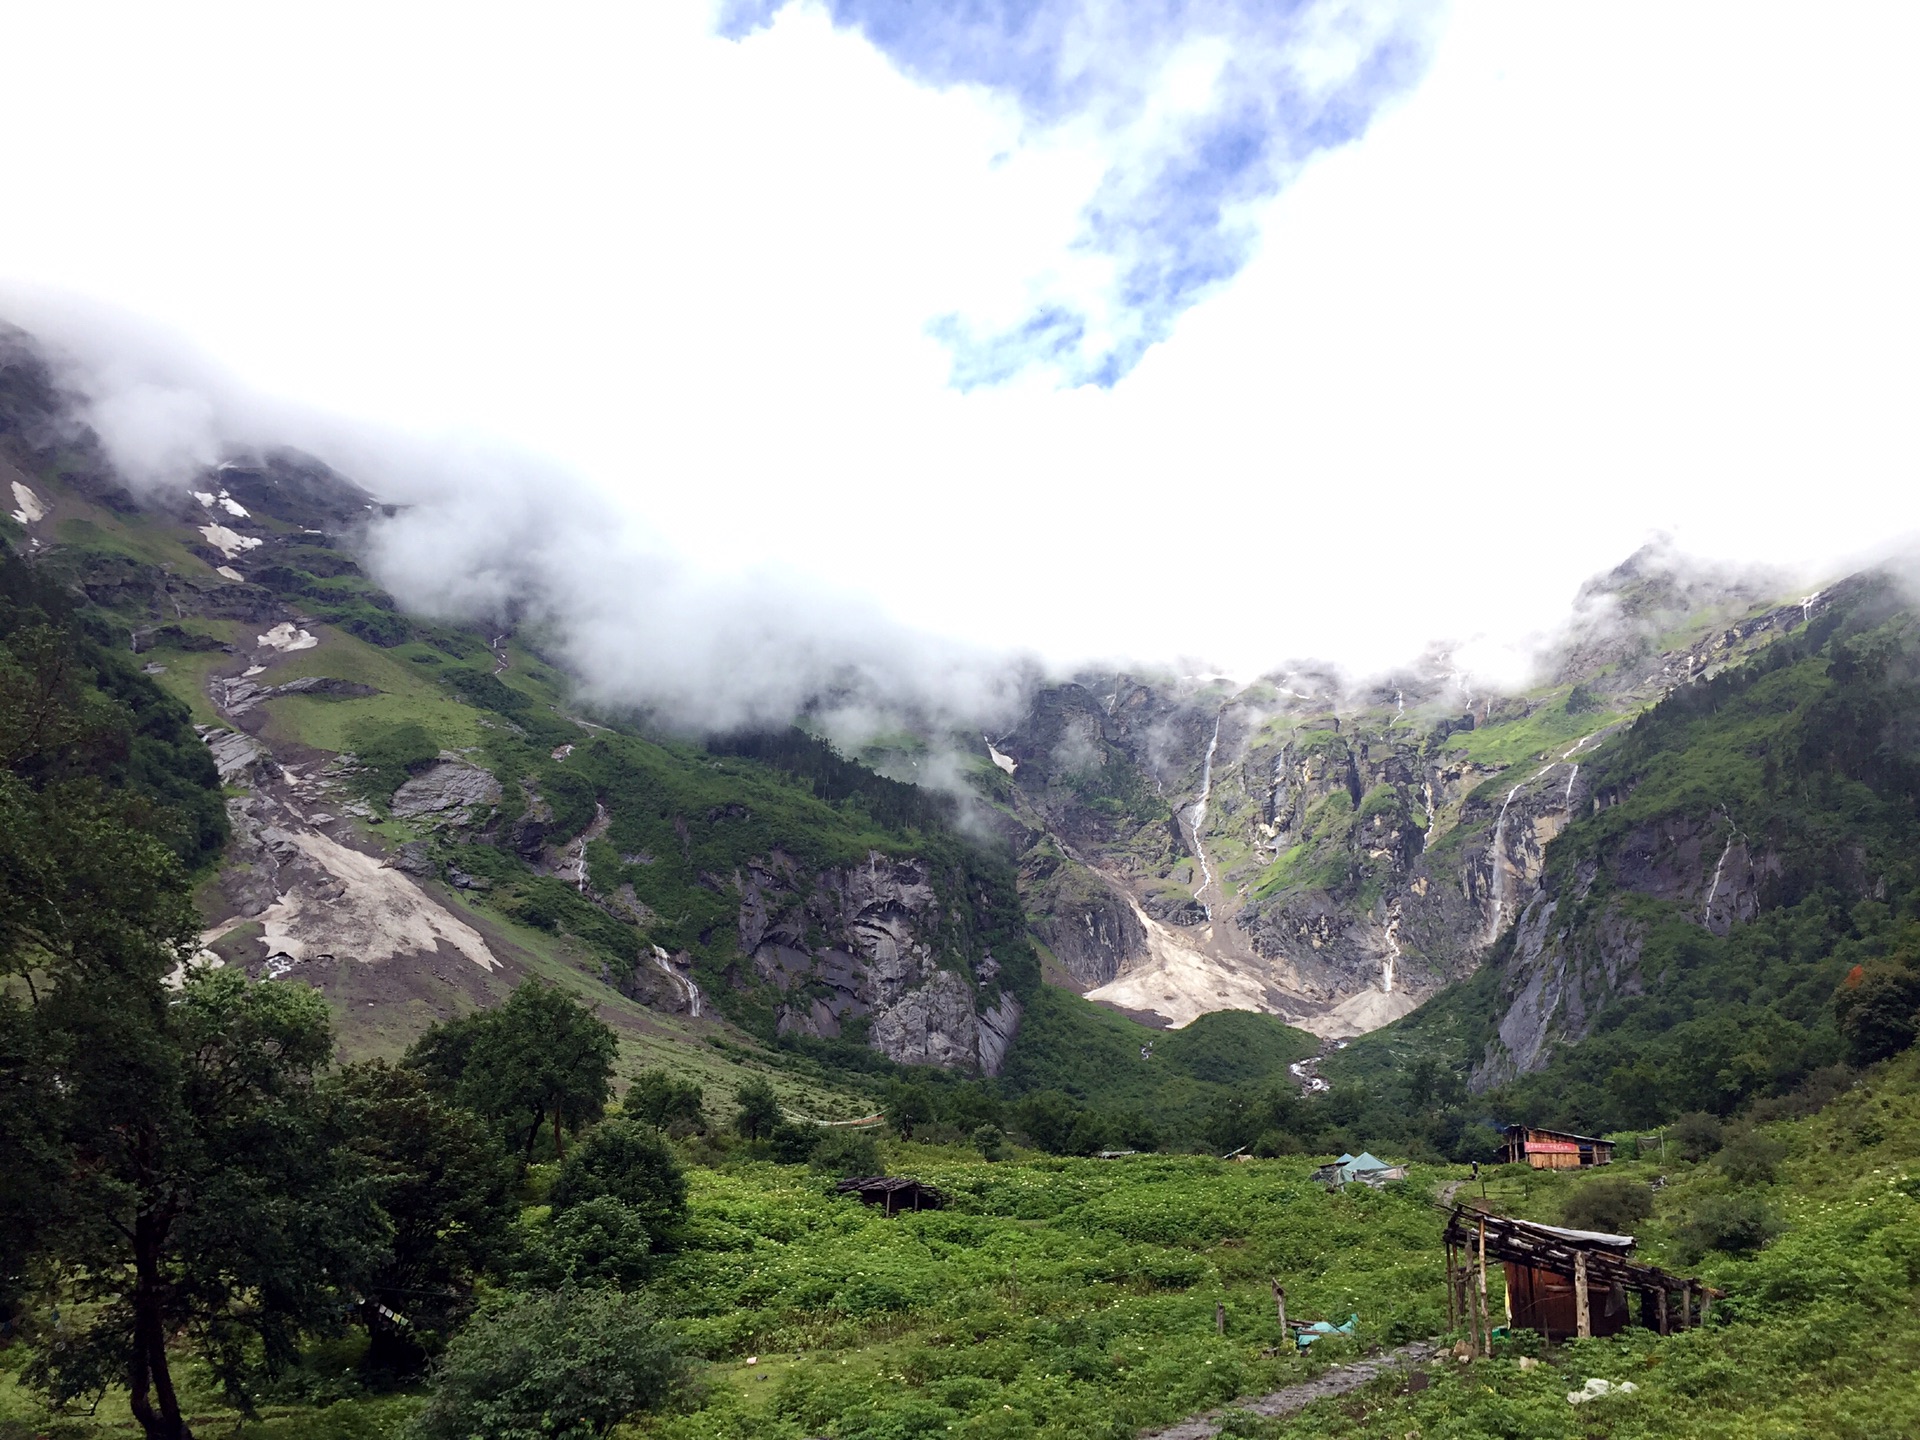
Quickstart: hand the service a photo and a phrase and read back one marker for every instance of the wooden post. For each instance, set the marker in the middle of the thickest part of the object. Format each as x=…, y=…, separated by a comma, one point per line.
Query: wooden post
x=1453, y=1290
x=1660, y=1308
x=1486, y=1320
x=1583, y=1321
x=1280, y=1309
x=1706, y=1304
x=1219, y=1318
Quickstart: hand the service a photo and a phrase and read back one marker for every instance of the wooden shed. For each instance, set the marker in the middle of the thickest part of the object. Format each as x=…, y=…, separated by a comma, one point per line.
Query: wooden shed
x=1563, y=1283
x=1554, y=1149
x=893, y=1192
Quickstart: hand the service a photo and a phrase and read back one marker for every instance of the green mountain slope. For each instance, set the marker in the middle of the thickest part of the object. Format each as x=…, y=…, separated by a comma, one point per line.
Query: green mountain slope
x=1749, y=842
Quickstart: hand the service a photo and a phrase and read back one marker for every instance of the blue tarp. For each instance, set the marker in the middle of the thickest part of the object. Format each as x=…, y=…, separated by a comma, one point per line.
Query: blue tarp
x=1320, y=1327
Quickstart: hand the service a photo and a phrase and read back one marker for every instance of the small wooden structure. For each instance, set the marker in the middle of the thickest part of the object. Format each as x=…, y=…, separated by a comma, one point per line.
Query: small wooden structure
x=894, y=1192
x=1562, y=1283
x=1554, y=1149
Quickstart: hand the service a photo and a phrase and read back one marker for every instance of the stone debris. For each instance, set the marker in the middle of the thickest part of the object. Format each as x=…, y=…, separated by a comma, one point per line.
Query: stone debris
x=447, y=786
x=233, y=752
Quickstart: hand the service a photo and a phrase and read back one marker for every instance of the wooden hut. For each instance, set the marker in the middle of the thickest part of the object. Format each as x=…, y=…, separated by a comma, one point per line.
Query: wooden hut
x=1554, y=1149
x=1563, y=1283
x=893, y=1192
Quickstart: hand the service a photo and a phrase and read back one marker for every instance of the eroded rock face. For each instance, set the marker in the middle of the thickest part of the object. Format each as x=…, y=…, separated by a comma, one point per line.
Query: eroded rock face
x=450, y=788
x=863, y=944
x=1558, y=979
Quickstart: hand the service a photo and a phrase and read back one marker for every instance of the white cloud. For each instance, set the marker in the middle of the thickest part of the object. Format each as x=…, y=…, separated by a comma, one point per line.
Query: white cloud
x=1601, y=275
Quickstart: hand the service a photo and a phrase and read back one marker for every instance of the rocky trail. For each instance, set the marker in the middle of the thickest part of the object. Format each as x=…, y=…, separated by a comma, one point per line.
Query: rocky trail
x=1341, y=1380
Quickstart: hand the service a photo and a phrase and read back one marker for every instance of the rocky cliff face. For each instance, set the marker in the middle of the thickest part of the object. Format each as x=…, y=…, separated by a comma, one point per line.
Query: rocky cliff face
x=859, y=951
x=397, y=880
x=1333, y=853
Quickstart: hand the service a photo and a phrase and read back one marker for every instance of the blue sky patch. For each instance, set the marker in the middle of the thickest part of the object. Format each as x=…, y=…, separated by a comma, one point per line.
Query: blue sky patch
x=1175, y=214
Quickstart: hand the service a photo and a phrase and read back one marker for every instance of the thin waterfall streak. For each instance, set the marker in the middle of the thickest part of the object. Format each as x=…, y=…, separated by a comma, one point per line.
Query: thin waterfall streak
x=1197, y=817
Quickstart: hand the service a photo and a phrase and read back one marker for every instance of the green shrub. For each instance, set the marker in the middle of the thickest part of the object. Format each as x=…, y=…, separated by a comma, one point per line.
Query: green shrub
x=1751, y=1158
x=557, y=1365
x=1611, y=1203
x=632, y=1164
x=844, y=1153
x=990, y=1141
x=601, y=1241
x=1696, y=1136
x=792, y=1141
x=1732, y=1224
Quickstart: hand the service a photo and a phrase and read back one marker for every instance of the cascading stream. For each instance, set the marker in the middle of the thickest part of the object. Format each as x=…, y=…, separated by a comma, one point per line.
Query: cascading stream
x=1197, y=817
x=684, y=982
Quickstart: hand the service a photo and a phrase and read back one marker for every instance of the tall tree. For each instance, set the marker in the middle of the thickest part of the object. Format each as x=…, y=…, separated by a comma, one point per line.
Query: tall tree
x=206, y=1195
x=540, y=1058
x=442, y=1183
x=756, y=1109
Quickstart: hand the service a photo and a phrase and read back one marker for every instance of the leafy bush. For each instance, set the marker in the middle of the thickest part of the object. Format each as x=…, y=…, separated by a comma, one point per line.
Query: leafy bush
x=1751, y=1158
x=843, y=1153
x=629, y=1163
x=1696, y=1136
x=1732, y=1224
x=1611, y=1203
x=666, y=1103
x=558, y=1365
x=792, y=1141
x=1876, y=1009
x=990, y=1141
x=601, y=1241
x=756, y=1109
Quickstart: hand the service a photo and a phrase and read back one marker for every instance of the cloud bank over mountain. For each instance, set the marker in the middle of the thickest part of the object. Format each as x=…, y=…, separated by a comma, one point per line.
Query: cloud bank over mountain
x=1580, y=281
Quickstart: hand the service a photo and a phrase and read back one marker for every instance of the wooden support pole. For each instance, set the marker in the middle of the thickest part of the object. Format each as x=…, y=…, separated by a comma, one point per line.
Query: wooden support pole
x=1660, y=1308
x=1582, y=1319
x=1280, y=1311
x=1486, y=1321
x=1219, y=1318
x=1453, y=1290
x=1706, y=1305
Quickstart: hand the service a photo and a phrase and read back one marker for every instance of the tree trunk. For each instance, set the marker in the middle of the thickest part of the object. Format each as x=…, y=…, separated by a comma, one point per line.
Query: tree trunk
x=558, y=1150
x=149, y=1379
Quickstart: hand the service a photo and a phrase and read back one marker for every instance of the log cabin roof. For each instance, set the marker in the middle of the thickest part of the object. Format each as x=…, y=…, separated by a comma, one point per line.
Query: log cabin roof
x=1555, y=1249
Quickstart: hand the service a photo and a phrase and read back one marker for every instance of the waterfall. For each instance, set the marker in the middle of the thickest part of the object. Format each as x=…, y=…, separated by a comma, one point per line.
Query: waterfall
x=1575, y=775
x=684, y=982
x=1433, y=819
x=1498, y=859
x=1806, y=606
x=1391, y=960
x=1713, y=885
x=1197, y=817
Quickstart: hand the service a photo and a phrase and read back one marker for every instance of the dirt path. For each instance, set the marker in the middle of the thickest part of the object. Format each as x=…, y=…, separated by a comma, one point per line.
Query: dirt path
x=1337, y=1381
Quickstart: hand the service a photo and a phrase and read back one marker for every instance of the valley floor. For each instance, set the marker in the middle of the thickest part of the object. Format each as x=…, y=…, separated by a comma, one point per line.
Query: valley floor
x=1071, y=1298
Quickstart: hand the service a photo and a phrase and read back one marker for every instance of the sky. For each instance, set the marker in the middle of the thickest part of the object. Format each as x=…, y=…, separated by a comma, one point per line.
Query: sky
x=1207, y=334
